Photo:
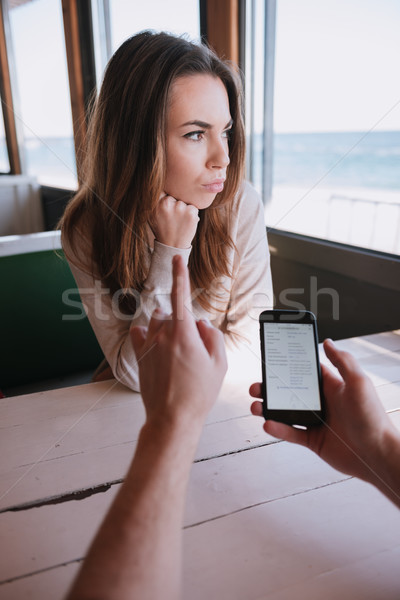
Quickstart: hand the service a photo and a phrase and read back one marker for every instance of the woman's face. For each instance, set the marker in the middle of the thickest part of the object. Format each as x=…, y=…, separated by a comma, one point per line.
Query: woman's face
x=198, y=124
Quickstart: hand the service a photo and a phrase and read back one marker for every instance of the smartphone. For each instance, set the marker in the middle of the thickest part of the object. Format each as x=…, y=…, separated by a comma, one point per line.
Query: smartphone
x=291, y=373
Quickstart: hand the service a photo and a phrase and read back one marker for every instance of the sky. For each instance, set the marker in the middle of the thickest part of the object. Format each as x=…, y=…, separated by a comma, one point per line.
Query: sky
x=335, y=63
x=175, y=16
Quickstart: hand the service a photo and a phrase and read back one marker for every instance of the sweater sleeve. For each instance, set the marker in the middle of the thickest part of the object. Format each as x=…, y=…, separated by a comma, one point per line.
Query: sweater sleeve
x=109, y=324
x=251, y=290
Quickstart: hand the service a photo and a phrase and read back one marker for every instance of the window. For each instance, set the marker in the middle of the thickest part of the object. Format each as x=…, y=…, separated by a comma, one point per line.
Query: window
x=117, y=20
x=131, y=16
x=41, y=86
x=335, y=121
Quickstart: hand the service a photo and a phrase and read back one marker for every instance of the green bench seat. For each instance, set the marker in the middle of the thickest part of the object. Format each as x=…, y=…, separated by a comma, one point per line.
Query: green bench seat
x=36, y=343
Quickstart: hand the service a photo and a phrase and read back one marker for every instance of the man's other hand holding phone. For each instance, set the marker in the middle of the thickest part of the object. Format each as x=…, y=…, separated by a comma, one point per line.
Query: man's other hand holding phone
x=357, y=437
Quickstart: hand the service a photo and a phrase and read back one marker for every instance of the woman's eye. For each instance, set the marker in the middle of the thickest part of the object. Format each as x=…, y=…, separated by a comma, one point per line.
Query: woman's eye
x=227, y=133
x=196, y=136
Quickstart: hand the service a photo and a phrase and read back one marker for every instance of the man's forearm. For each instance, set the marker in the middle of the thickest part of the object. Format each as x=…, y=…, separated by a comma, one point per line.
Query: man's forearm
x=137, y=552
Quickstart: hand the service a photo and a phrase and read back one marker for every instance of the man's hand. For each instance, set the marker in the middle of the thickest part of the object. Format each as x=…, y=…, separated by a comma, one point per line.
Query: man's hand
x=181, y=363
x=174, y=223
x=357, y=434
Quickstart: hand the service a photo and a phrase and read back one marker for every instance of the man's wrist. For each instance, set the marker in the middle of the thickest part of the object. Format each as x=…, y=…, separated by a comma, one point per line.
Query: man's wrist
x=386, y=461
x=172, y=429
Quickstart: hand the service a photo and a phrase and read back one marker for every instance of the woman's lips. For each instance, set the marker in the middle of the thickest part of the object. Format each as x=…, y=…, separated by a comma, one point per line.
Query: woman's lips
x=215, y=186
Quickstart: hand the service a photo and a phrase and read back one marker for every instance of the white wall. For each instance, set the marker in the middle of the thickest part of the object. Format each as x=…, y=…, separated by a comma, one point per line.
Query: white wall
x=21, y=209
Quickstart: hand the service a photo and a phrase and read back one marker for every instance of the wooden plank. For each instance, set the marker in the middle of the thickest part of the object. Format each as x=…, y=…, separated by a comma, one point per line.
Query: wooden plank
x=389, y=395
x=33, y=408
x=95, y=468
x=365, y=579
x=377, y=343
x=79, y=470
x=49, y=444
x=77, y=438
x=329, y=585
x=87, y=429
x=281, y=549
x=284, y=543
x=221, y=486
x=48, y=584
x=217, y=487
x=42, y=538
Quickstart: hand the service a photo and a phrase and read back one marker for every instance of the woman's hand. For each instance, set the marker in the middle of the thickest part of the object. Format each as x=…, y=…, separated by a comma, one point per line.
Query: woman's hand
x=174, y=222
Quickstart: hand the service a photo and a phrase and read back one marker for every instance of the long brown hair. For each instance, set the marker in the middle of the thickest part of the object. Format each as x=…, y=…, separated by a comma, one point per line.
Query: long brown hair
x=125, y=164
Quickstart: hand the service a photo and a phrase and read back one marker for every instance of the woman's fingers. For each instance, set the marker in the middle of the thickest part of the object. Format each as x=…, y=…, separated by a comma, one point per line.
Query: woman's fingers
x=174, y=222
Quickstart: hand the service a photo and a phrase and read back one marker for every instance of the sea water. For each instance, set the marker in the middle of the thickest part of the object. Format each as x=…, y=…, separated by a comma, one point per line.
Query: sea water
x=350, y=159
x=339, y=159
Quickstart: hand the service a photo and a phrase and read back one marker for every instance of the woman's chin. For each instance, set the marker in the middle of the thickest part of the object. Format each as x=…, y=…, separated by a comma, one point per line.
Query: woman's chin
x=203, y=203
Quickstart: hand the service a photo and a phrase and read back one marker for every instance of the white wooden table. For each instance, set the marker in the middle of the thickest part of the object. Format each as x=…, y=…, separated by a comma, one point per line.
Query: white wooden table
x=264, y=519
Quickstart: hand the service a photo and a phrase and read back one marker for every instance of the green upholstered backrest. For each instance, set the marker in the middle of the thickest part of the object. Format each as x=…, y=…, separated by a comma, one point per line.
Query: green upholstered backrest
x=36, y=343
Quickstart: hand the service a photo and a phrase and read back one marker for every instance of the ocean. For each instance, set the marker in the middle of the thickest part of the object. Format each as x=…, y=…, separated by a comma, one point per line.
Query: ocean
x=342, y=159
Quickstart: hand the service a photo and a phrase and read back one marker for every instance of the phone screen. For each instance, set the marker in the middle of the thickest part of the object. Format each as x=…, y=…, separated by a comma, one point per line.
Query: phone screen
x=291, y=368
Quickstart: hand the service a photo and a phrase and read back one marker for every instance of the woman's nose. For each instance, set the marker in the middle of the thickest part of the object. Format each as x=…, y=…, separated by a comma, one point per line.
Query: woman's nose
x=219, y=155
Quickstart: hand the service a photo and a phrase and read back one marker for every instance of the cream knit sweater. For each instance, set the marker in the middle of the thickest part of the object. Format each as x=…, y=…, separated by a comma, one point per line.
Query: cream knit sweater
x=242, y=296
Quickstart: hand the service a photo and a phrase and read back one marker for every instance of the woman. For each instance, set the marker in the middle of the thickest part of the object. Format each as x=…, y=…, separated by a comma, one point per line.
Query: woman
x=163, y=175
